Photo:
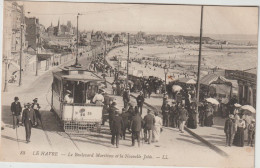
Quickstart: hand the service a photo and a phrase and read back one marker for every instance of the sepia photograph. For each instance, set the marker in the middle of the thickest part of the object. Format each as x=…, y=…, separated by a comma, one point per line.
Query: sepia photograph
x=138, y=84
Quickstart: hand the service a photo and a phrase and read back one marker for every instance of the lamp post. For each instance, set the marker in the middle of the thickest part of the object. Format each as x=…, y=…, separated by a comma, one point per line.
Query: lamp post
x=165, y=73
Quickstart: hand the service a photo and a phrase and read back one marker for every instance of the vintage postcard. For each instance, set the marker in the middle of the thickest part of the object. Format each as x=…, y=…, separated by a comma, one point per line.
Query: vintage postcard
x=129, y=84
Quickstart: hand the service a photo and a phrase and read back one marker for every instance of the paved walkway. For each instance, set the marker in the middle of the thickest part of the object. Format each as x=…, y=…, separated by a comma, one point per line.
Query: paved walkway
x=214, y=135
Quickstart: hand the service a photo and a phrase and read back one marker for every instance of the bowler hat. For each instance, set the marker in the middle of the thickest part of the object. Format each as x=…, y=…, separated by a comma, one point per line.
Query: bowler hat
x=16, y=98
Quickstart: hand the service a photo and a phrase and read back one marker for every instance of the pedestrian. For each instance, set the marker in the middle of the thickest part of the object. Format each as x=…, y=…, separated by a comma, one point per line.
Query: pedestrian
x=230, y=130
x=251, y=133
x=117, y=125
x=208, y=115
x=114, y=88
x=157, y=127
x=165, y=112
x=148, y=126
x=36, y=107
x=126, y=97
x=239, y=136
x=136, y=126
x=140, y=102
x=182, y=118
x=131, y=110
x=16, y=110
x=111, y=114
x=126, y=116
x=28, y=120
x=192, y=120
x=172, y=114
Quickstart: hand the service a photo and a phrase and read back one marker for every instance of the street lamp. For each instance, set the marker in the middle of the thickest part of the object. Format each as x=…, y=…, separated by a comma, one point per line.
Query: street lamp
x=166, y=70
x=6, y=61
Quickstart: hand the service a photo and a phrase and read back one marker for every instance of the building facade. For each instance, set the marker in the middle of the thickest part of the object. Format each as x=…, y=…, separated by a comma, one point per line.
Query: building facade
x=246, y=85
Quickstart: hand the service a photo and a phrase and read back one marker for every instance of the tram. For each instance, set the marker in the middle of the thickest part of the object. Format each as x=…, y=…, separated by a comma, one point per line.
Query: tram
x=80, y=115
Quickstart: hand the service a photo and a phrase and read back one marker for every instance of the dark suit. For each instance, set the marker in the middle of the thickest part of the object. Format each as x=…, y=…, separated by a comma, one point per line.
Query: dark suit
x=148, y=126
x=136, y=126
x=126, y=117
x=126, y=98
x=140, y=102
x=117, y=126
x=111, y=113
x=230, y=130
x=16, y=110
x=28, y=119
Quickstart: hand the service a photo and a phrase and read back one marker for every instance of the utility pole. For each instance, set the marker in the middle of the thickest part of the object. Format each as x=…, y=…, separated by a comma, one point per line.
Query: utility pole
x=21, y=52
x=199, y=59
x=77, y=39
x=127, y=66
x=36, y=74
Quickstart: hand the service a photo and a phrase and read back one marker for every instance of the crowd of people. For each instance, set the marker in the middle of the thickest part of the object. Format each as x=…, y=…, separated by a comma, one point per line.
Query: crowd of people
x=147, y=128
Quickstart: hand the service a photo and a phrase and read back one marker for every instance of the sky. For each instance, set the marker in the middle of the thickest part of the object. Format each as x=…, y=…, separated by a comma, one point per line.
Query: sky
x=182, y=19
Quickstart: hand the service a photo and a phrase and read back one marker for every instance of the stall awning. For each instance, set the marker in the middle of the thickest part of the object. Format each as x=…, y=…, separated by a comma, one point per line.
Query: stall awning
x=42, y=57
x=214, y=79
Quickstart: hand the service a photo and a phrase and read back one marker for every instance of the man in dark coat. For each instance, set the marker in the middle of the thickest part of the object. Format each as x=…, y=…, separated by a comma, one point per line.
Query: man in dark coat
x=148, y=126
x=126, y=97
x=165, y=112
x=136, y=126
x=111, y=114
x=230, y=130
x=173, y=115
x=16, y=110
x=140, y=102
x=28, y=119
x=126, y=116
x=117, y=125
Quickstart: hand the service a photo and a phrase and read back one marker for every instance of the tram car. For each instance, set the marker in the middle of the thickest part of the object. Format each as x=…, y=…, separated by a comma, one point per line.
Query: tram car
x=73, y=89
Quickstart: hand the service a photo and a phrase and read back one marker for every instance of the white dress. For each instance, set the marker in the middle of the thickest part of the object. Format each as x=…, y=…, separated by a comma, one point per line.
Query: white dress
x=157, y=128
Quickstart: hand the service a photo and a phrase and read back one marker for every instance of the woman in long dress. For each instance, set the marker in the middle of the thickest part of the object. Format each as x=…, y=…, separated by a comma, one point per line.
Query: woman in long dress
x=239, y=136
x=157, y=128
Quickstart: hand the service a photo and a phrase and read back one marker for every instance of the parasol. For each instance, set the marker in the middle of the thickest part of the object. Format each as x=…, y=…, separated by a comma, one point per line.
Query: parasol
x=176, y=88
x=212, y=101
x=249, y=108
x=237, y=105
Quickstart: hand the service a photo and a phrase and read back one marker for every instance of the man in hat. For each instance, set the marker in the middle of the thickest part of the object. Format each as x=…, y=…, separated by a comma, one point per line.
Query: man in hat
x=68, y=98
x=111, y=114
x=173, y=114
x=126, y=96
x=16, y=110
x=140, y=102
x=117, y=125
x=136, y=126
x=28, y=119
x=251, y=132
x=165, y=112
x=36, y=107
x=230, y=130
x=148, y=126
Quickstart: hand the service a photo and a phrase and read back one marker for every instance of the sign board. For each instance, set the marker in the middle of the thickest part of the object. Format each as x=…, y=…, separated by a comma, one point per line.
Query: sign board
x=83, y=113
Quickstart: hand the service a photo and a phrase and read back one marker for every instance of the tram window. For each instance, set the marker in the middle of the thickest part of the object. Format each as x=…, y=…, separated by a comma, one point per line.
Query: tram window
x=56, y=85
x=68, y=87
x=79, y=92
x=91, y=90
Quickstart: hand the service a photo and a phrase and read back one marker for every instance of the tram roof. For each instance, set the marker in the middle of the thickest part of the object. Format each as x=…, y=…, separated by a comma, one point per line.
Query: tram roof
x=86, y=76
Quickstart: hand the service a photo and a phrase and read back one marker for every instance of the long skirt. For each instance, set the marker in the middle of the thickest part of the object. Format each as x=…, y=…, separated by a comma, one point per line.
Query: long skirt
x=156, y=133
x=209, y=121
x=239, y=137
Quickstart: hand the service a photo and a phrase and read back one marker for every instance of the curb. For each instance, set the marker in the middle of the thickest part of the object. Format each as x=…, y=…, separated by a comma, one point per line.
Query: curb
x=213, y=147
